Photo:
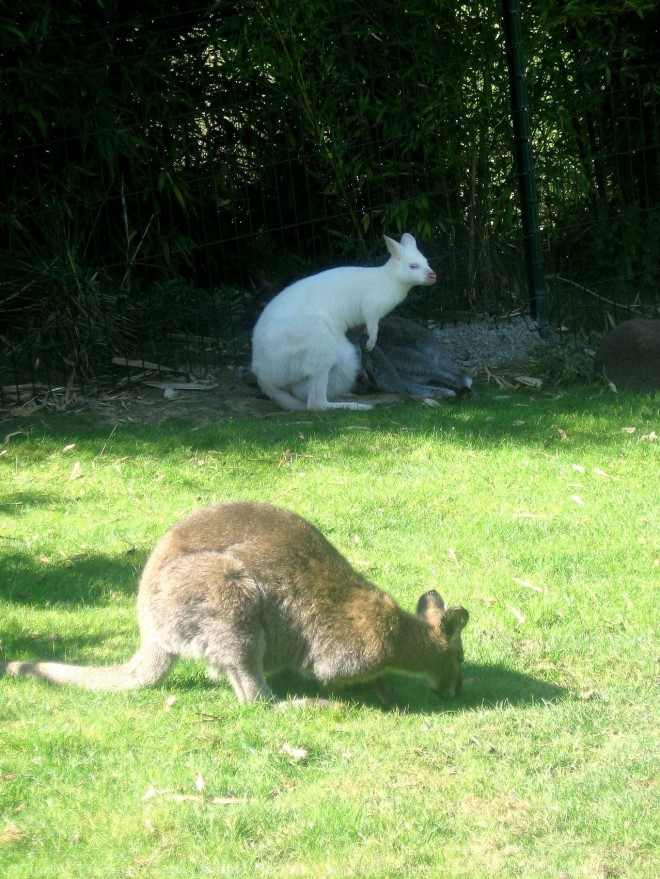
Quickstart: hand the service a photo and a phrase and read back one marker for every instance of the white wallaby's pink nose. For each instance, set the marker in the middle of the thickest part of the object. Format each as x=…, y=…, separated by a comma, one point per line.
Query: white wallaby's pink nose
x=430, y=277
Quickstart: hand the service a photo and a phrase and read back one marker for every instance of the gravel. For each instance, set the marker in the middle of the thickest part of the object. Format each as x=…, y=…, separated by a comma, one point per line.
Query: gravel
x=490, y=341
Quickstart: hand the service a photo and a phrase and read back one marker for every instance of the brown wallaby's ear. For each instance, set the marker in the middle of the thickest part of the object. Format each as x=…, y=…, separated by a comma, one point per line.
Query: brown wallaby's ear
x=430, y=601
x=454, y=620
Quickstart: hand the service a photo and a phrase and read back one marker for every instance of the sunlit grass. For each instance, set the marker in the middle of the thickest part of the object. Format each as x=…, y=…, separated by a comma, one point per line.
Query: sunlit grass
x=540, y=515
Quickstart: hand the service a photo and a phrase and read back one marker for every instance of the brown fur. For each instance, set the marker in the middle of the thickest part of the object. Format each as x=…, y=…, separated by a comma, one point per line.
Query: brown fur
x=252, y=589
x=629, y=356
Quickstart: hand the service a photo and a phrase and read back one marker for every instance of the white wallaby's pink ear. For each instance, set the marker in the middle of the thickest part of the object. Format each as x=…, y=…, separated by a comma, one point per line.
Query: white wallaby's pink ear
x=407, y=240
x=393, y=246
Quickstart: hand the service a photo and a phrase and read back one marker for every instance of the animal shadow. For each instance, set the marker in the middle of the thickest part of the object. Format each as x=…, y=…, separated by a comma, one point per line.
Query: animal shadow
x=484, y=686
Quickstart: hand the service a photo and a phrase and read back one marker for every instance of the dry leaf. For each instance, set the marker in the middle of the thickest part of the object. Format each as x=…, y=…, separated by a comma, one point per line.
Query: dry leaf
x=527, y=585
x=169, y=702
x=578, y=467
x=517, y=423
x=76, y=471
x=429, y=401
x=517, y=614
x=577, y=499
x=69, y=447
x=12, y=434
x=529, y=381
x=12, y=833
x=199, y=783
x=649, y=437
x=293, y=752
x=628, y=429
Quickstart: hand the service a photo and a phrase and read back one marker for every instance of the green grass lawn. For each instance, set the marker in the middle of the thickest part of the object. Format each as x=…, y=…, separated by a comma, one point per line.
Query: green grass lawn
x=539, y=514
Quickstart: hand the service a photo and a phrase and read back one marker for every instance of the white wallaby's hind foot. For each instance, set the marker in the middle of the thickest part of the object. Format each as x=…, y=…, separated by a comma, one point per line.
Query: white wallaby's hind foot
x=283, y=398
x=299, y=344
x=288, y=401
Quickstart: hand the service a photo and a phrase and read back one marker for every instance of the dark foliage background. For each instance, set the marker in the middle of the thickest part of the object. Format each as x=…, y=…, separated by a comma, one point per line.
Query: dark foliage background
x=160, y=160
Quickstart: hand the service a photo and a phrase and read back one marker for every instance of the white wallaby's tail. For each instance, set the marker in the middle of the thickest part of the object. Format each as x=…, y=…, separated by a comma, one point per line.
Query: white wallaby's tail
x=147, y=667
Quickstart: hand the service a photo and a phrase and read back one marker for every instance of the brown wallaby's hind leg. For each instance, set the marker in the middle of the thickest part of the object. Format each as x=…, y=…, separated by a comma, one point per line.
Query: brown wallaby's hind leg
x=245, y=675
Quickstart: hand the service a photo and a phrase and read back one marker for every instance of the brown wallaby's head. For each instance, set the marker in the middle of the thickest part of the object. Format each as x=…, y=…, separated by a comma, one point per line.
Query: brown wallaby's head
x=446, y=624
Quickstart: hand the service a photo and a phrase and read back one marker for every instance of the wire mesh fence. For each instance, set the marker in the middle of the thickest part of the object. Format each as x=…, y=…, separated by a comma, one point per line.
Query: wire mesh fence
x=158, y=168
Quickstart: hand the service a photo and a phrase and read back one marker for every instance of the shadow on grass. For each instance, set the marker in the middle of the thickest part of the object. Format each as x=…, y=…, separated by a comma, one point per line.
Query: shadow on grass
x=30, y=581
x=51, y=647
x=485, y=687
x=589, y=413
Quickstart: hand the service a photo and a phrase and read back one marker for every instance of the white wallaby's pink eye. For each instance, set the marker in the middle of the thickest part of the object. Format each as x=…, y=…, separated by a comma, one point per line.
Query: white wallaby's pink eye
x=414, y=265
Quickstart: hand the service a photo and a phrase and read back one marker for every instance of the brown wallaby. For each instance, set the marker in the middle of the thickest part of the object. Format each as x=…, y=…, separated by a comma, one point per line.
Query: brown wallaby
x=252, y=589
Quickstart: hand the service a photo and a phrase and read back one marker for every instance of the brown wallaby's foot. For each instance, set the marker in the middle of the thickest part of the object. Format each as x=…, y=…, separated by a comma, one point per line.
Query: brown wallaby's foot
x=385, y=693
x=249, y=686
x=303, y=702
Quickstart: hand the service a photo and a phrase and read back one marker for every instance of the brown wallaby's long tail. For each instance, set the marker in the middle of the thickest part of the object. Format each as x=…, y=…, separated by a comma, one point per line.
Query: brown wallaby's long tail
x=149, y=666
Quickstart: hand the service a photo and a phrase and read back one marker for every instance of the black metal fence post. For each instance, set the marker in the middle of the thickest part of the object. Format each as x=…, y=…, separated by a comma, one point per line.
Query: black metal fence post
x=525, y=164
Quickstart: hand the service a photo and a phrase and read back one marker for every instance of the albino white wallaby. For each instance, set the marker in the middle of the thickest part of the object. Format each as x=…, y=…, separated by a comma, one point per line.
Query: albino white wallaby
x=300, y=354
x=251, y=589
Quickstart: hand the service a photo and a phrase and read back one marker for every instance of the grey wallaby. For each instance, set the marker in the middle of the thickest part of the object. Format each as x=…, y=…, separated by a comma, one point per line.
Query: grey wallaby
x=409, y=359
x=253, y=589
x=629, y=356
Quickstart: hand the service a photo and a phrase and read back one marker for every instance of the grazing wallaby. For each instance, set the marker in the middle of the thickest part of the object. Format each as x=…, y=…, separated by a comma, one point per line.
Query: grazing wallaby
x=300, y=354
x=253, y=588
x=409, y=360
x=629, y=356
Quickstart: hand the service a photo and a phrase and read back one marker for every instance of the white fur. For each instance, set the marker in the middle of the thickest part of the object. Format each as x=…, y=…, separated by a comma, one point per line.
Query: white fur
x=300, y=354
